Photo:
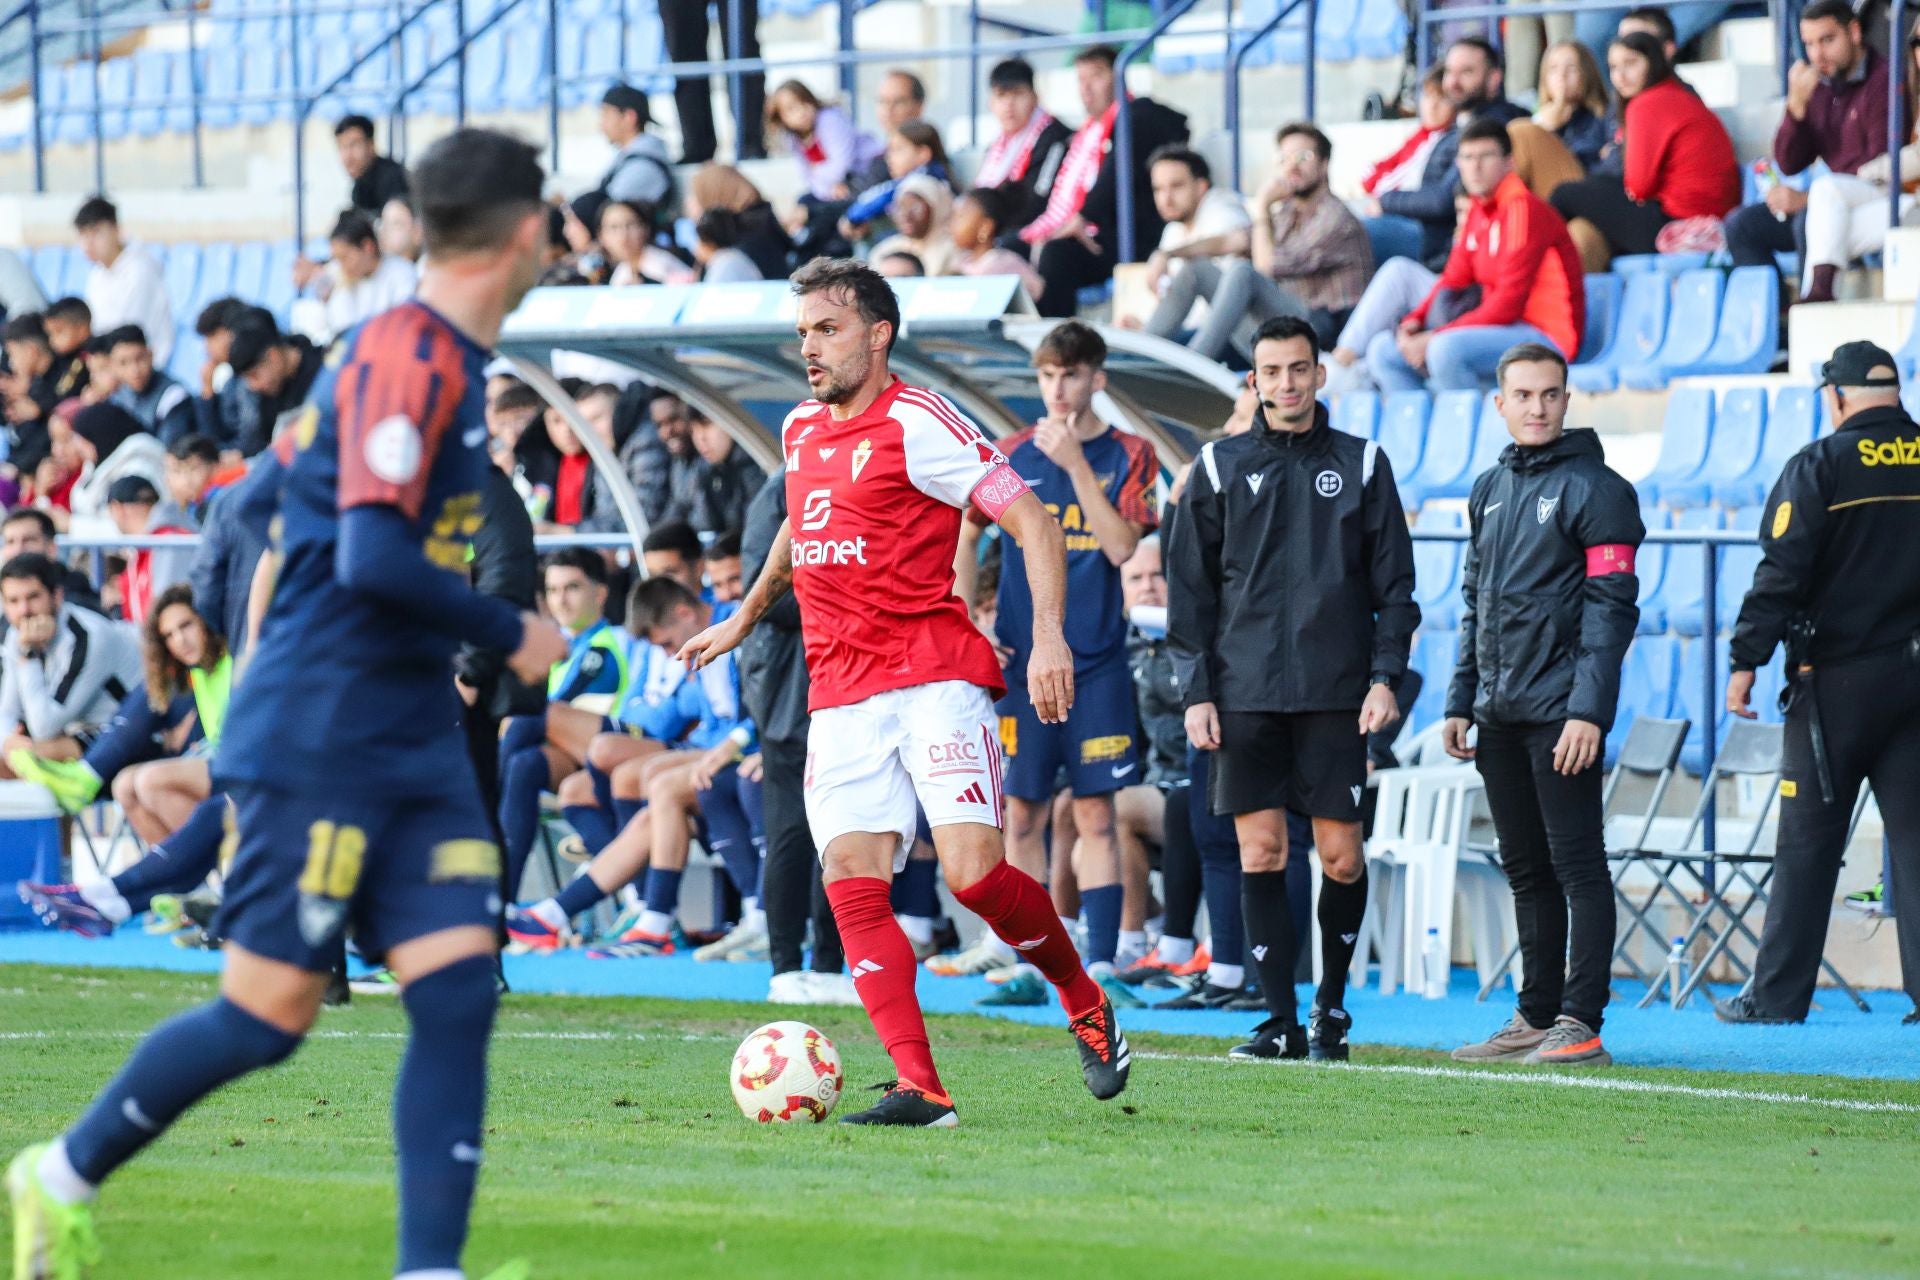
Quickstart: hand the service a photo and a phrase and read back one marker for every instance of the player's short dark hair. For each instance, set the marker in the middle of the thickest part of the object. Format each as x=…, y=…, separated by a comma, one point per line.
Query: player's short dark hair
x=194, y=447
x=588, y=561
x=99, y=344
x=475, y=188
x=1071, y=345
x=725, y=546
x=70, y=311
x=653, y=601
x=865, y=289
x=1654, y=16
x=219, y=314
x=1181, y=153
x=1528, y=353
x=1838, y=10
x=676, y=536
x=1486, y=48
x=916, y=87
x=1322, y=144
x=349, y=124
x=94, y=211
x=31, y=564
x=1487, y=129
x=28, y=327
x=48, y=529
x=353, y=227
x=127, y=335
x=1012, y=73
x=1104, y=54
x=518, y=398
x=1285, y=329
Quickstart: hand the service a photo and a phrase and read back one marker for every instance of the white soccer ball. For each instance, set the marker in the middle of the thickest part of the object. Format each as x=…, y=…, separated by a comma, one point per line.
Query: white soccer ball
x=786, y=1072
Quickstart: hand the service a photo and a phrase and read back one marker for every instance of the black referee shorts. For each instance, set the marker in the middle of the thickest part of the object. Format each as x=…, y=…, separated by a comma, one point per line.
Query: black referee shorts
x=1312, y=762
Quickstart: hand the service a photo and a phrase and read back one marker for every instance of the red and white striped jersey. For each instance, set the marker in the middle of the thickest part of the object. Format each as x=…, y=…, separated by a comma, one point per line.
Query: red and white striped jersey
x=874, y=505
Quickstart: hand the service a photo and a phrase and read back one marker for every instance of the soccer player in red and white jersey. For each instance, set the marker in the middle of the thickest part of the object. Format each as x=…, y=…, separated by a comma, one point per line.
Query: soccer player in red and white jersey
x=878, y=476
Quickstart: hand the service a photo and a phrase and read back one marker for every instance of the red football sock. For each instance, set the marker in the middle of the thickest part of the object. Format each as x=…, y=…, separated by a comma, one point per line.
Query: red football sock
x=1019, y=910
x=883, y=967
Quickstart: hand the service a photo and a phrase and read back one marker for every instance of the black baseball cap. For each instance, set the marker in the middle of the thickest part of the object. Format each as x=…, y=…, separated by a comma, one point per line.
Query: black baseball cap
x=136, y=489
x=1854, y=363
x=624, y=97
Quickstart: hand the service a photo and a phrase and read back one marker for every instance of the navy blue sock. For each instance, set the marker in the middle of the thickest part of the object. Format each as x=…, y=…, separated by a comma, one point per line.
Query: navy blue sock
x=1101, y=907
x=602, y=789
x=523, y=778
x=595, y=826
x=663, y=891
x=439, y=1106
x=581, y=894
x=729, y=834
x=180, y=1062
x=180, y=862
x=916, y=890
x=1219, y=865
x=625, y=811
x=520, y=733
x=131, y=737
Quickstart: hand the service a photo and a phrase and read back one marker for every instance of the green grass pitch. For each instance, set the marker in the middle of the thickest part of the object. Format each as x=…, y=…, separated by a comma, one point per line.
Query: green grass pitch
x=614, y=1151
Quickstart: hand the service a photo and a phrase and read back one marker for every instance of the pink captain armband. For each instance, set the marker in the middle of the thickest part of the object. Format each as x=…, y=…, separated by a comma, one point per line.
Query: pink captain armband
x=1001, y=488
x=1612, y=557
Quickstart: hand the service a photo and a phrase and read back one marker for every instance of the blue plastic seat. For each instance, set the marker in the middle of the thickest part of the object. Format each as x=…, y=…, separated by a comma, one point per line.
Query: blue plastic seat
x=50, y=269
x=1641, y=328
x=75, y=123
x=250, y=270
x=1603, y=313
x=216, y=274
x=1436, y=582
x=1403, y=434
x=1691, y=323
x=1358, y=414
x=1684, y=438
x=1738, y=425
x=1737, y=565
x=590, y=59
x=1380, y=30
x=1490, y=440
x=1445, y=467
x=1650, y=566
x=220, y=85
x=116, y=91
x=523, y=84
x=1333, y=32
x=1658, y=264
x=278, y=297
x=647, y=51
x=1748, y=340
x=182, y=279
x=1682, y=593
x=263, y=84
x=153, y=87
x=189, y=353
x=1435, y=654
x=1908, y=356
x=1647, y=681
x=1790, y=427
x=1696, y=703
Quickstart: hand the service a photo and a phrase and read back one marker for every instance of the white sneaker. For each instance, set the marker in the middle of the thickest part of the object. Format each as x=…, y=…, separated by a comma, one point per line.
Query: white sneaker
x=832, y=988
x=985, y=956
x=790, y=987
x=744, y=942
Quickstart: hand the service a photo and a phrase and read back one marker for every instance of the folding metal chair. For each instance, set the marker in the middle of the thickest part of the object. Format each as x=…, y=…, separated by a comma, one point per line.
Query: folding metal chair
x=1651, y=751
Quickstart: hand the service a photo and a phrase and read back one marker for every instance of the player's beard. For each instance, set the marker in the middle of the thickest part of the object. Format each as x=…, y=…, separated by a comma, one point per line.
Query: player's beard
x=843, y=380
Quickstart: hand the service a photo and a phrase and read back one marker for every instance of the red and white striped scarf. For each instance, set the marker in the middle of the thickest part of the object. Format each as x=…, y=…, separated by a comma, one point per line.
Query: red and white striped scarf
x=1077, y=175
x=1009, y=154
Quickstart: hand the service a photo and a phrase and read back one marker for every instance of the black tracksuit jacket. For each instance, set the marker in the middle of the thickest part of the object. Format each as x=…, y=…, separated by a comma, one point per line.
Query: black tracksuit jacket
x=1551, y=595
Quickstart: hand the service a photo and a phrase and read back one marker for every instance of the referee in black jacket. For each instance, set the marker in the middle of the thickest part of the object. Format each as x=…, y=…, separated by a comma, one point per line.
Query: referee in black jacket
x=1290, y=609
x=1839, y=583
x=1550, y=610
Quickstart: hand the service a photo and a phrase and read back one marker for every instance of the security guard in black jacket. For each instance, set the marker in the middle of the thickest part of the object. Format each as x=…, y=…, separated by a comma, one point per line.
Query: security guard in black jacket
x=1290, y=608
x=1550, y=610
x=1839, y=583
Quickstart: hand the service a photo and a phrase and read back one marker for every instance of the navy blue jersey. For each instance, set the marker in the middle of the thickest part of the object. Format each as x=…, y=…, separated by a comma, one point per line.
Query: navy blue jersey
x=1096, y=624
x=352, y=690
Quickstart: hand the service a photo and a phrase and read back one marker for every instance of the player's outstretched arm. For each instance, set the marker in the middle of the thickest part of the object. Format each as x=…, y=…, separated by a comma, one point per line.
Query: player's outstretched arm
x=776, y=579
x=1050, y=664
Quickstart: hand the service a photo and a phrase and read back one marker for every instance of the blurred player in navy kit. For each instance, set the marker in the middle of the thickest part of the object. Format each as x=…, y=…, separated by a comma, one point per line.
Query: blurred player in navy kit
x=1098, y=482
x=369, y=815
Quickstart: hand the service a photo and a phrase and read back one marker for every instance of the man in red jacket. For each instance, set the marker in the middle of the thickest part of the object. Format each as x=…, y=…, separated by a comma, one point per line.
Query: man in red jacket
x=1513, y=276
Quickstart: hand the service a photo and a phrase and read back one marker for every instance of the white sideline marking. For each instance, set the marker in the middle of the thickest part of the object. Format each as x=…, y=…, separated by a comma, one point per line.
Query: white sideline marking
x=1611, y=1084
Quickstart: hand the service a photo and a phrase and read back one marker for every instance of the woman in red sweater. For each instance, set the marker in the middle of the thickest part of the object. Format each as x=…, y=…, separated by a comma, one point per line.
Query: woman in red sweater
x=1675, y=160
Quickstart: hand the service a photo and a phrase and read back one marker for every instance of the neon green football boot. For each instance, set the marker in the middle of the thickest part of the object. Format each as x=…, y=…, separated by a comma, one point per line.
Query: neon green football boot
x=52, y=1240
x=73, y=783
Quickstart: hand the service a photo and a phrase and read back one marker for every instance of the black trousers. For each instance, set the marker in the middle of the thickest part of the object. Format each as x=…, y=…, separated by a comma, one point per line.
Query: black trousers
x=1066, y=267
x=1754, y=235
x=685, y=25
x=1555, y=857
x=790, y=888
x=1629, y=226
x=1870, y=708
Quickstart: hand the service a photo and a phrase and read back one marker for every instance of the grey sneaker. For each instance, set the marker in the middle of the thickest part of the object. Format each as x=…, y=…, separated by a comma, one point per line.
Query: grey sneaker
x=1510, y=1043
x=1570, y=1043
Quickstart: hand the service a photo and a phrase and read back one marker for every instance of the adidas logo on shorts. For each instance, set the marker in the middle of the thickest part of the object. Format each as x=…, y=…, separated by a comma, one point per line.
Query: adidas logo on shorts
x=972, y=795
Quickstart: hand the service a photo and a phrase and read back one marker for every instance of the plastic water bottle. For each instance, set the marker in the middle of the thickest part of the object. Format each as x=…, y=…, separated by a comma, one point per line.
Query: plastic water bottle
x=1434, y=966
x=1677, y=972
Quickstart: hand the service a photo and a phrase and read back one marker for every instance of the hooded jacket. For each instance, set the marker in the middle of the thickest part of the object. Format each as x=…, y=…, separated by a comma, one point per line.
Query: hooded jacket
x=1290, y=572
x=1549, y=586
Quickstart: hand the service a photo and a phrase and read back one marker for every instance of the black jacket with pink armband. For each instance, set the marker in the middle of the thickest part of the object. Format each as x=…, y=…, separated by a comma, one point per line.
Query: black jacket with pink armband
x=1550, y=590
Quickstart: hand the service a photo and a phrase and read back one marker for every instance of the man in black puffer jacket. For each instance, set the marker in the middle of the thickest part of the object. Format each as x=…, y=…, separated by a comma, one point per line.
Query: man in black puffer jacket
x=1550, y=609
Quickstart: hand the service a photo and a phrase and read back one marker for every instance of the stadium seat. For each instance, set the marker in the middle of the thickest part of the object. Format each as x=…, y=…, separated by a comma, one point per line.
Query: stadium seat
x=1333, y=31
x=182, y=279
x=1403, y=434
x=50, y=269
x=75, y=121
x=1357, y=413
x=1647, y=682
x=116, y=91
x=1748, y=340
x=1650, y=566
x=1435, y=654
x=1908, y=356
x=1658, y=264
x=1380, y=30
x=153, y=89
x=1637, y=335
x=486, y=66
x=1738, y=423
x=1489, y=441
x=1444, y=468
x=278, y=295
x=1790, y=427
x=220, y=68
x=524, y=82
x=1737, y=565
x=1436, y=580
x=1603, y=312
x=250, y=270
x=1681, y=591
x=1695, y=702
x=263, y=85
x=189, y=353
x=647, y=51
x=1691, y=322
x=1684, y=437
x=591, y=55
x=216, y=274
